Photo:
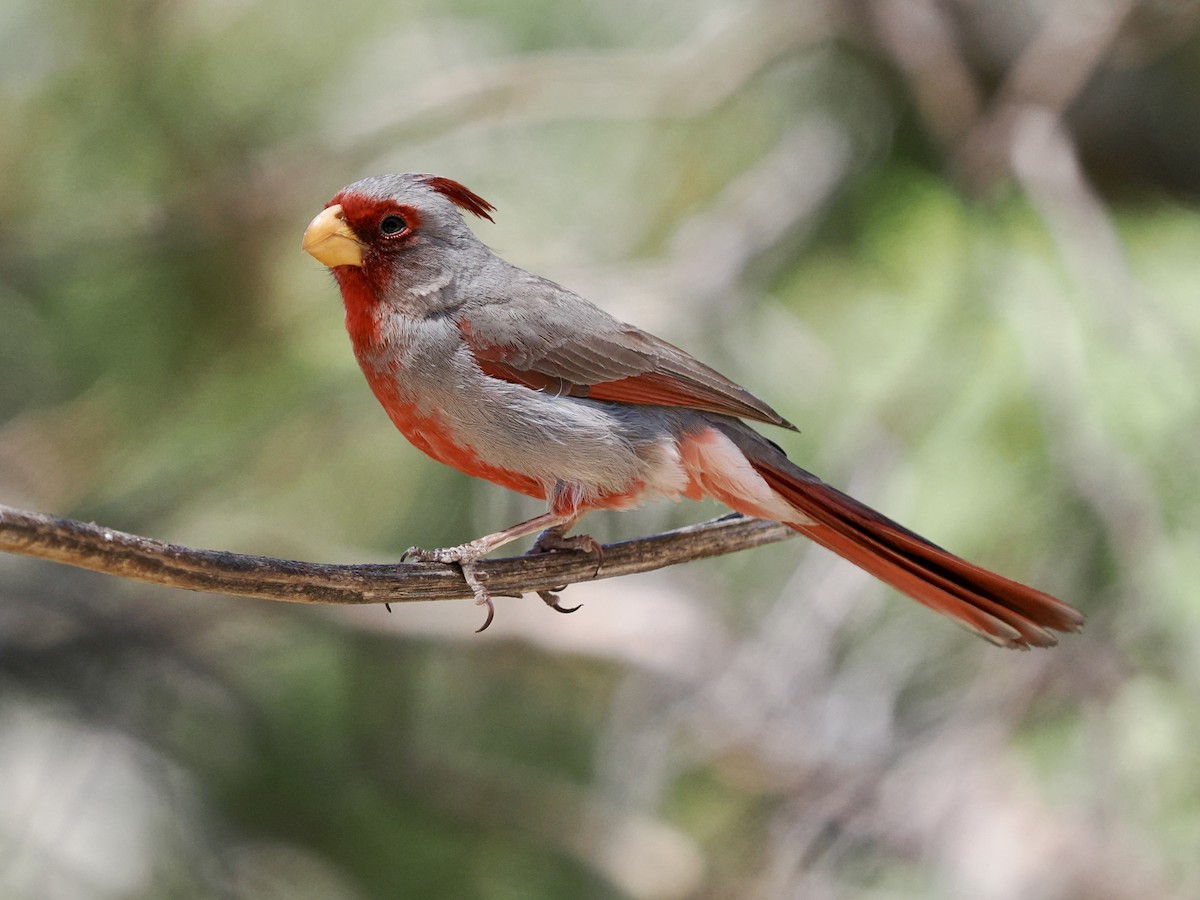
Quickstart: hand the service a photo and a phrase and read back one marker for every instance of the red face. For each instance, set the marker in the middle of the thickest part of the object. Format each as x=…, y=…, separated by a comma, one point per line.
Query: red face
x=365, y=230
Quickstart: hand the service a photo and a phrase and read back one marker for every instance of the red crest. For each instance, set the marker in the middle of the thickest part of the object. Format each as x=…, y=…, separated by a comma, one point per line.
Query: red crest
x=460, y=196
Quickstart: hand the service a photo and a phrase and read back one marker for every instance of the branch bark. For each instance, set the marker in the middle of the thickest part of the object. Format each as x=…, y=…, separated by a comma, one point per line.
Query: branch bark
x=99, y=549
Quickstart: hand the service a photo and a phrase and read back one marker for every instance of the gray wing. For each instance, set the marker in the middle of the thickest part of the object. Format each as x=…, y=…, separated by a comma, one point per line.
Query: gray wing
x=553, y=340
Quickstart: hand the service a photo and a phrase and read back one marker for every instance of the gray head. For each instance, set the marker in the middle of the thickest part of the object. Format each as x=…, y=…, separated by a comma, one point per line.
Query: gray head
x=404, y=233
x=439, y=201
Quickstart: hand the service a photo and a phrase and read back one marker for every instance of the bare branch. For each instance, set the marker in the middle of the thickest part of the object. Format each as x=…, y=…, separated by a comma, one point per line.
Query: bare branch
x=100, y=549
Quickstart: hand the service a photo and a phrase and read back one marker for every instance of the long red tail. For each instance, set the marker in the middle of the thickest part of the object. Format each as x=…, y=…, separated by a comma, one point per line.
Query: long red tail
x=996, y=608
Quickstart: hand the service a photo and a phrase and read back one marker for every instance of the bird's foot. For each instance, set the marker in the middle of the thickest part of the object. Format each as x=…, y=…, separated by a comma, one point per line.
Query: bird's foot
x=463, y=556
x=553, y=539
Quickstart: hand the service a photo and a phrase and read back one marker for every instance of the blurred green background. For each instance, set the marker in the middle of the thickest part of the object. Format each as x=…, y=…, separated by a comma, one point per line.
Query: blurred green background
x=956, y=241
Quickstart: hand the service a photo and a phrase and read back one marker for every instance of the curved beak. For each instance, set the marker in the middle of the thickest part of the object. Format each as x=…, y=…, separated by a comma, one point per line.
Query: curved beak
x=330, y=240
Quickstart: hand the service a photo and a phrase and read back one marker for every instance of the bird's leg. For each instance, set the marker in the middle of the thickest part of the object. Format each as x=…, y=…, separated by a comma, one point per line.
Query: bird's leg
x=464, y=555
x=555, y=538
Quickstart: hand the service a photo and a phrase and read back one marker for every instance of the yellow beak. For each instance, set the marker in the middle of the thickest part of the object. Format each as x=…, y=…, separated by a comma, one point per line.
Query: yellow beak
x=330, y=240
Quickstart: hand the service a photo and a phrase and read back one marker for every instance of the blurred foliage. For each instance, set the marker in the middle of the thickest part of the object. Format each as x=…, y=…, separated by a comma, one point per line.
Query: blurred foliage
x=955, y=240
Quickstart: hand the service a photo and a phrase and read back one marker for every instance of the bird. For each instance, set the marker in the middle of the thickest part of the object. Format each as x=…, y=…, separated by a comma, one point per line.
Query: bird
x=510, y=377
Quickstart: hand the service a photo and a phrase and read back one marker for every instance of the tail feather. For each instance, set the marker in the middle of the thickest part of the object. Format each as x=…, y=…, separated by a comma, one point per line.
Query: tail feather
x=1000, y=610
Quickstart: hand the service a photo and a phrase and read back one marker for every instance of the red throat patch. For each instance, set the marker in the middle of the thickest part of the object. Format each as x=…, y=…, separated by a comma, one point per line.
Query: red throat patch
x=358, y=296
x=461, y=196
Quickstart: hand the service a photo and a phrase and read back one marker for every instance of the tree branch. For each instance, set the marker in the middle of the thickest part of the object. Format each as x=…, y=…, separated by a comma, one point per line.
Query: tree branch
x=100, y=549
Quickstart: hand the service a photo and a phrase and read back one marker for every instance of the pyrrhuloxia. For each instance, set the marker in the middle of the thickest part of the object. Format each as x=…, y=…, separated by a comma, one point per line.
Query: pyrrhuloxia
x=512, y=378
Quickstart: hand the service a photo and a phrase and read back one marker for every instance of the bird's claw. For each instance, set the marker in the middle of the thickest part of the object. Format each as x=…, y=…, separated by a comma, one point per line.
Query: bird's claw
x=463, y=556
x=552, y=600
x=553, y=539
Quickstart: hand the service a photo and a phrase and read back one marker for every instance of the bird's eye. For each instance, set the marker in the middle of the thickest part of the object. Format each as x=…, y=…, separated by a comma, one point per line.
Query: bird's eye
x=392, y=225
